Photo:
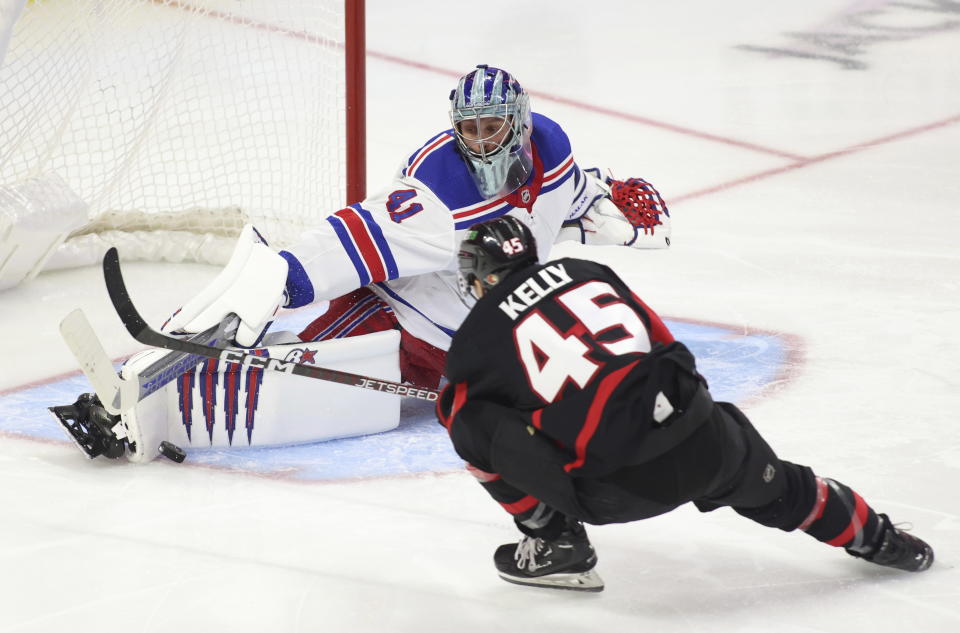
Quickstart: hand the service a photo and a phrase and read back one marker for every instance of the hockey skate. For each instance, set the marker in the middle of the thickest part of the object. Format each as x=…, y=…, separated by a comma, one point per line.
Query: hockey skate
x=566, y=562
x=898, y=549
x=92, y=427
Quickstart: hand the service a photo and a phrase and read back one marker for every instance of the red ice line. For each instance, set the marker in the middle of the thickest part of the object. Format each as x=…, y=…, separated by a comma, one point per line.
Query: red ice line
x=799, y=161
x=805, y=162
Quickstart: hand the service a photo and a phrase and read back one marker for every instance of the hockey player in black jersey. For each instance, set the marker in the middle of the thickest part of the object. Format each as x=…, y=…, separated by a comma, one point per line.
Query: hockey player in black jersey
x=572, y=403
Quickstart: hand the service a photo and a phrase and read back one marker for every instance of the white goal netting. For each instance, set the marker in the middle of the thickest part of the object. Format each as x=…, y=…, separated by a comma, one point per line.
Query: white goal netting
x=178, y=119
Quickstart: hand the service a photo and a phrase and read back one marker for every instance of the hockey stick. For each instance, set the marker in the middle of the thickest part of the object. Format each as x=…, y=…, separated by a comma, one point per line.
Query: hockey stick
x=118, y=394
x=139, y=329
x=79, y=336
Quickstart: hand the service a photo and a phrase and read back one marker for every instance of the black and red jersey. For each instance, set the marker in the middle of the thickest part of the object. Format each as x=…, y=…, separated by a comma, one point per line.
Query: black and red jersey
x=566, y=355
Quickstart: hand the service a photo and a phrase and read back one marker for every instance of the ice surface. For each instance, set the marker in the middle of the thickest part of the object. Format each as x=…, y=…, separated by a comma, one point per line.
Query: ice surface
x=810, y=155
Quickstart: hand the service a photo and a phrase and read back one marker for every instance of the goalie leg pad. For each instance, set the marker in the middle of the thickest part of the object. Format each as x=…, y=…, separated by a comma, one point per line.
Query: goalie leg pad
x=145, y=423
x=226, y=405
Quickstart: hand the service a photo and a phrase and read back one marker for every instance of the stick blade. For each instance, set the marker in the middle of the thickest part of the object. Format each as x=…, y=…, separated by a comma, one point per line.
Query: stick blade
x=79, y=336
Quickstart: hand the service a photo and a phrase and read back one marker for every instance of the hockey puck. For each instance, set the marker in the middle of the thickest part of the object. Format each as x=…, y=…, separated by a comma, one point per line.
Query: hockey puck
x=172, y=451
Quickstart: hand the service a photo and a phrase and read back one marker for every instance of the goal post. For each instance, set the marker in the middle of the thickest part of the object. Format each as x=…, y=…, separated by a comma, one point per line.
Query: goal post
x=177, y=121
x=355, y=59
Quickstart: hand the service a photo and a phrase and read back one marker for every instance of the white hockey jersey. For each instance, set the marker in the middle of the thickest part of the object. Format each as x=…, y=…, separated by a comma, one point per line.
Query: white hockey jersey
x=403, y=241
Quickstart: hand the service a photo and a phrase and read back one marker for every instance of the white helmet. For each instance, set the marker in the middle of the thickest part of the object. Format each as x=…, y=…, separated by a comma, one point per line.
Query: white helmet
x=493, y=93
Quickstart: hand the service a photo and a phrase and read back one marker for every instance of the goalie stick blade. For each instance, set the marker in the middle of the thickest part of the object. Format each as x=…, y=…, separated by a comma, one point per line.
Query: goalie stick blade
x=120, y=394
x=139, y=329
x=115, y=393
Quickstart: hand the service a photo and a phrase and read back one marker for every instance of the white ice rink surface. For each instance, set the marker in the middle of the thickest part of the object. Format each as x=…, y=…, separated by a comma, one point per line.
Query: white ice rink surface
x=815, y=193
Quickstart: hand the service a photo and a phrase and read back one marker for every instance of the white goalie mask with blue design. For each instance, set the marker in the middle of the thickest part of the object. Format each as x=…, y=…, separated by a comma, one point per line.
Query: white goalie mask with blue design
x=491, y=119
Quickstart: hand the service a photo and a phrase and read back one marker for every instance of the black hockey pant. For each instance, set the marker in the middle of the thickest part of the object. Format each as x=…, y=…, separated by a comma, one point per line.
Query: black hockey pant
x=727, y=463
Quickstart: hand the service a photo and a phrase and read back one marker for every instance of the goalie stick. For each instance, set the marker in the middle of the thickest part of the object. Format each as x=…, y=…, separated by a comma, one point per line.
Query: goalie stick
x=142, y=332
x=119, y=395
x=93, y=422
x=78, y=334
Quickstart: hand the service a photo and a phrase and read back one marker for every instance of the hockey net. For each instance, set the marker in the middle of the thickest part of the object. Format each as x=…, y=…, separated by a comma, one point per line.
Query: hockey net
x=176, y=122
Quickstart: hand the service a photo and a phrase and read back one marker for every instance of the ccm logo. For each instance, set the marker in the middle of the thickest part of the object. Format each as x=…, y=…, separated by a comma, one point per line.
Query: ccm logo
x=247, y=360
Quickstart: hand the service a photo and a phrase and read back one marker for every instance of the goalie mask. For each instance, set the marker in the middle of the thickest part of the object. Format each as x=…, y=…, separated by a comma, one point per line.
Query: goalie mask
x=493, y=250
x=491, y=119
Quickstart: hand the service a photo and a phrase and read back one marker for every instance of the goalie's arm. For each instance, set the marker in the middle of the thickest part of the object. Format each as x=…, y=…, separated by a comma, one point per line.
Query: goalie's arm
x=402, y=231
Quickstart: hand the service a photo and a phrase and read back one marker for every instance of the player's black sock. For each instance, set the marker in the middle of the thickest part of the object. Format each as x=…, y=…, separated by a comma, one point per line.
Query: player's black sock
x=841, y=518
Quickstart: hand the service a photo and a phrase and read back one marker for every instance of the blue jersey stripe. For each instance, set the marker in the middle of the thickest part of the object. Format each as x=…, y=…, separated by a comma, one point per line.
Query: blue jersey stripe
x=350, y=249
x=496, y=213
x=397, y=297
x=559, y=181
x=344, y=317
x=363, y=317
x=377, y=233
x=417, y=153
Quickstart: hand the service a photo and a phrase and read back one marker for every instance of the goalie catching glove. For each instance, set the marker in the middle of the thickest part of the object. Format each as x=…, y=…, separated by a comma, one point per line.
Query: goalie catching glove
x=624, y=212
x=251, y=286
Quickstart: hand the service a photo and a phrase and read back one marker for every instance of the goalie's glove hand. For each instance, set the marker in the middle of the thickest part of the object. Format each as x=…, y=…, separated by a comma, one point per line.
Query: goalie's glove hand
x=251, y=286
x=628, y=212
x=639, y=202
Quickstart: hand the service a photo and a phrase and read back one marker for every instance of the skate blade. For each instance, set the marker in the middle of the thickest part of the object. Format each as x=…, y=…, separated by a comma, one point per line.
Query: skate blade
x=580, y=581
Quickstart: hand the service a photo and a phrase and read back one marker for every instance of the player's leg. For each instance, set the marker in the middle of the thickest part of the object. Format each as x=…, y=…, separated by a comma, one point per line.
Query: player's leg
x=354, y=314
x=554, y=550
x=362, y=312
x=556, y=555
x=788, y=496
